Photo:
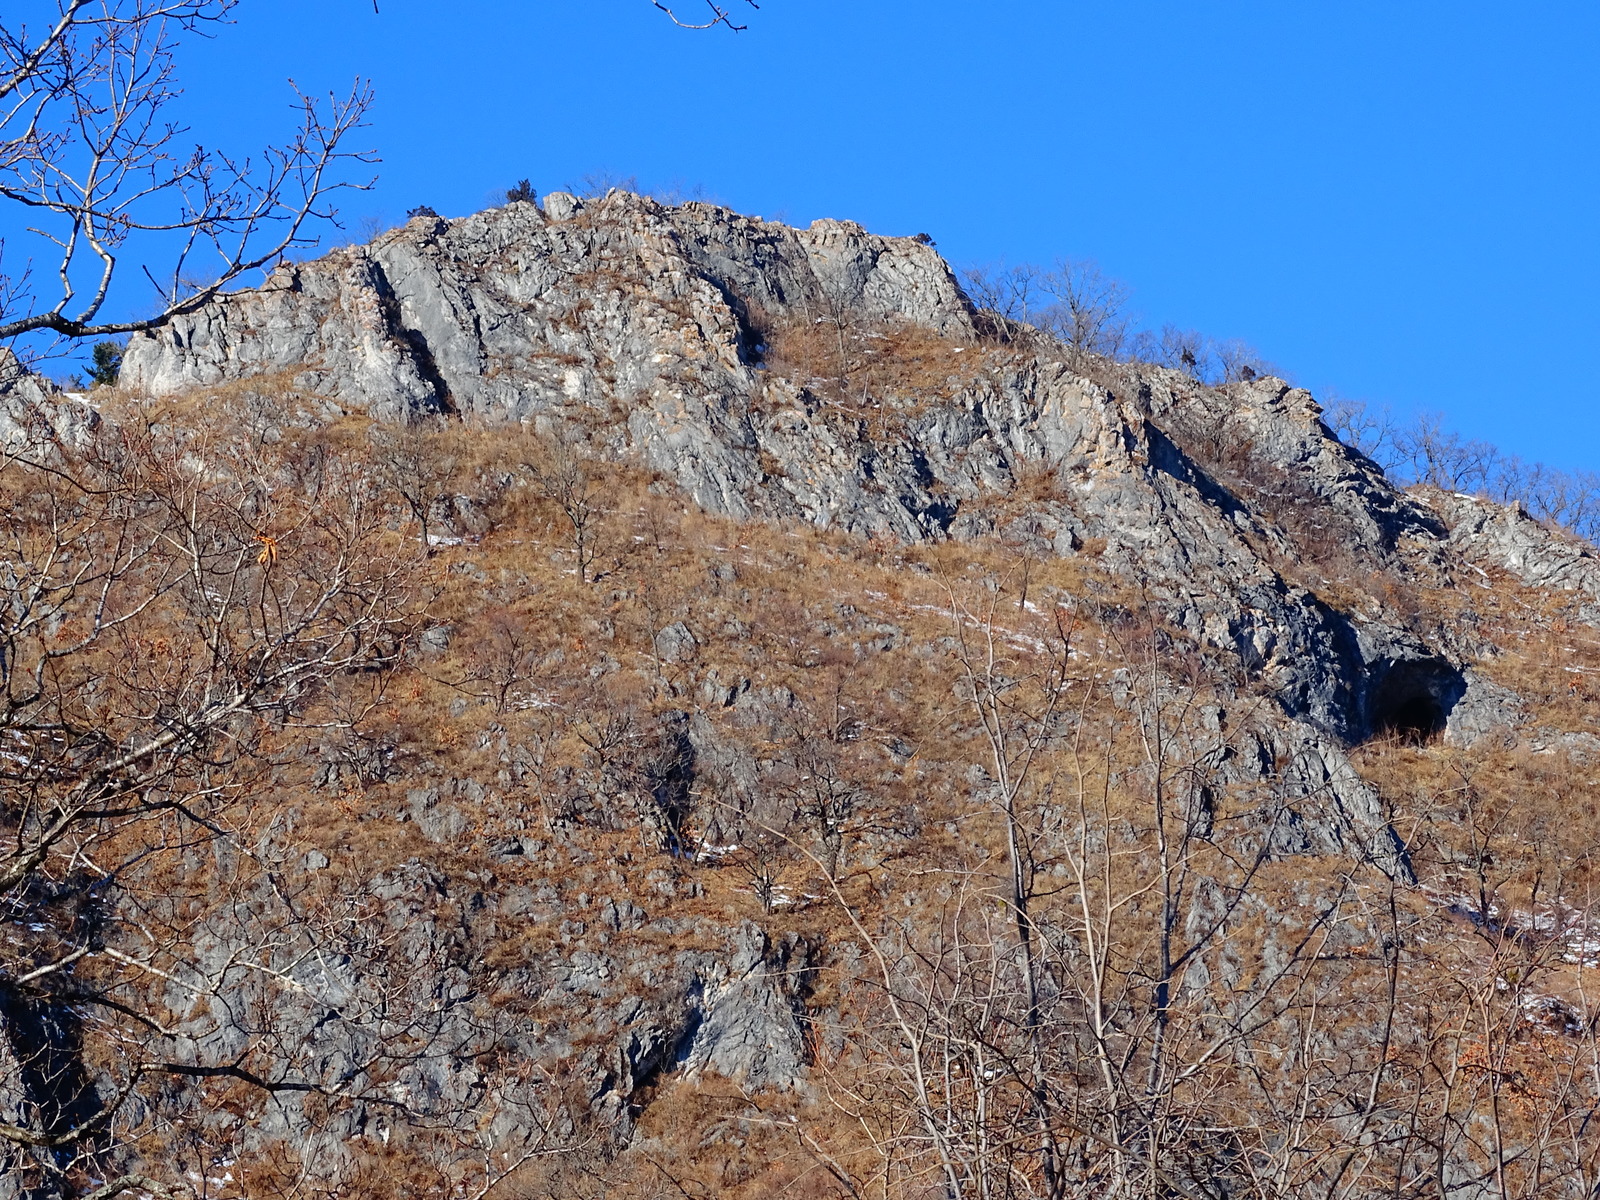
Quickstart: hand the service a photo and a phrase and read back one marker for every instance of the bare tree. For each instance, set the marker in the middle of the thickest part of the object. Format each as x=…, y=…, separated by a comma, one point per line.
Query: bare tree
x=563, y=476
x=1089, y=312
x=1240, y=362
x=1181, y=349
x=164, y=632
x=811, y=771
x=1019, y=724
x=597, y=185
x=1425, y=451
x=1010, y=296
x=1568, y=498
x=1073, y=301
x=1088, y=1002
x=91, y=156
x=1081, y=306
x=502, y=659
x=1440, y=457
x=763, y=858
x=1361, y=427
x=416, y=460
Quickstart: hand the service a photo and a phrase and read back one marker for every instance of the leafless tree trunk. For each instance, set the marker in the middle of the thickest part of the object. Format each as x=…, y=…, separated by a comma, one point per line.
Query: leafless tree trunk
x=562, y=475
x=1017, y=733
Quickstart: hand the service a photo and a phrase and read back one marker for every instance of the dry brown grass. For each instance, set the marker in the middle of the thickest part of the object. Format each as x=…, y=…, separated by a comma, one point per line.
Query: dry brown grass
x=556, y=723
x=879, y=372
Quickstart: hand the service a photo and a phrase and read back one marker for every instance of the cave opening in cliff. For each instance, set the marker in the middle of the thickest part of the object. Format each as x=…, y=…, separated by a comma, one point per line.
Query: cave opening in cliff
x=1415, y=721
x=1413, y=700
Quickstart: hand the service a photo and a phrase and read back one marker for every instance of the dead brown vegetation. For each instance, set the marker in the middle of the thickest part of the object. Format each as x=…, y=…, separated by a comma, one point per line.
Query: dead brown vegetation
x=1063, y=950
x=881, y=373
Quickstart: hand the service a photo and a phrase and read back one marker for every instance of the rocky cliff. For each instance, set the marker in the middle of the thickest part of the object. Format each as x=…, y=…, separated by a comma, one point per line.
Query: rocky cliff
x=703, y=815
x=651, y=325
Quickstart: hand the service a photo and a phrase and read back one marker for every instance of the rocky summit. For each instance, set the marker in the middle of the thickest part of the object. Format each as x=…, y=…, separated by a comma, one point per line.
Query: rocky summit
x=606, y=699
x=653, y=322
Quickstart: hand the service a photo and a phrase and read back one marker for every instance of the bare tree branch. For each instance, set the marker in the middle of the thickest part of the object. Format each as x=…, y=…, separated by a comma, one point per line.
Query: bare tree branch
x=720, y=16
x=91, y=156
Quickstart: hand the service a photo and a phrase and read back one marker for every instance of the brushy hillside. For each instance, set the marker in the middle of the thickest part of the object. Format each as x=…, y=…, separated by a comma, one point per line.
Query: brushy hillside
x=636, y=702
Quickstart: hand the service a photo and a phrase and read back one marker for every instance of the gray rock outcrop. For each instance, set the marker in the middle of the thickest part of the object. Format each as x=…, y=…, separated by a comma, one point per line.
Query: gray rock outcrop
x=653, y=316
x=1504, y=536
x=653, y=330
x=36, y=415
x=515, y=312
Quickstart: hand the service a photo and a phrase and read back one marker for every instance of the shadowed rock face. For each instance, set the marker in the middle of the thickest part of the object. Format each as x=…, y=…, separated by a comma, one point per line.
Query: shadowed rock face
x=1413, y=699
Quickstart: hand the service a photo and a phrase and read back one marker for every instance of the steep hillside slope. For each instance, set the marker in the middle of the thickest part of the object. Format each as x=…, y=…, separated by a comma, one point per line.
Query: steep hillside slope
x=838, y=377
x=618, y=700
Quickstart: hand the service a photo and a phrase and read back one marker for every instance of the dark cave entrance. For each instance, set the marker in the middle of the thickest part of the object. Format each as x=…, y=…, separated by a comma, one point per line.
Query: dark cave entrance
x=1416, y=721
x=1411, y=701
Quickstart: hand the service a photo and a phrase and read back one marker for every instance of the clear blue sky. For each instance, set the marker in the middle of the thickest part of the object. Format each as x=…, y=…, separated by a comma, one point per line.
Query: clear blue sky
x=1397, y=201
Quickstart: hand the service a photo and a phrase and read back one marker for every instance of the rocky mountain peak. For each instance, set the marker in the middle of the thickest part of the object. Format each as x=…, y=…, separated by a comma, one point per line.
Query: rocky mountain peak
x=843, y=379
x=617, y=686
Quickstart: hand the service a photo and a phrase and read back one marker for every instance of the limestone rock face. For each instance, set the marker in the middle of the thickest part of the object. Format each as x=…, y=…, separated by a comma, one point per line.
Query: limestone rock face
x=35, y=414
x=746, y=1024
x=515, y=312
x=1233, y=508
x=1506, y=537
x=651, y=322
x=654, y=317
x=621, y=1018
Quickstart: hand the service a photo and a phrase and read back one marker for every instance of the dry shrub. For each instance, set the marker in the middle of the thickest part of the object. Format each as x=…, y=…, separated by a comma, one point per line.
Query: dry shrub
x=873, y=370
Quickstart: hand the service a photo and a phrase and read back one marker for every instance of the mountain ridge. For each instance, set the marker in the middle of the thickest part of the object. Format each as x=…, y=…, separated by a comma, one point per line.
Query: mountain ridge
x=749, y=669
x=428, y=320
